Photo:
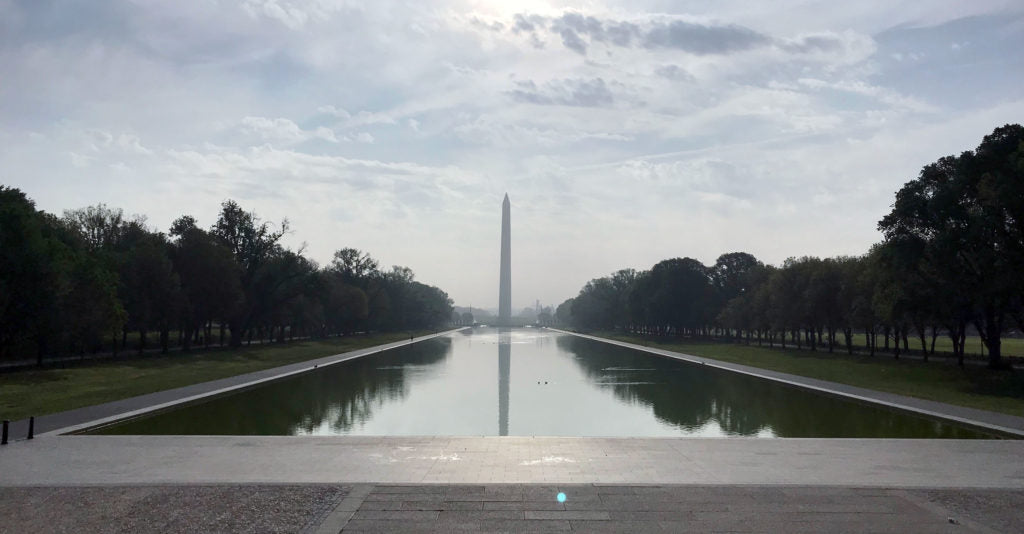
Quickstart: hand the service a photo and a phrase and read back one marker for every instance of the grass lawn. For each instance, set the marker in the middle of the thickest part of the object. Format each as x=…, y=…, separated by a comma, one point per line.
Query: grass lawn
x=974, y=387
x=1011, y=346
x=40, y=392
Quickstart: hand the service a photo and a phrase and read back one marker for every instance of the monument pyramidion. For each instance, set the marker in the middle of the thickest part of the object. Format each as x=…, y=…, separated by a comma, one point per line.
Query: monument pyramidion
x=505, y=281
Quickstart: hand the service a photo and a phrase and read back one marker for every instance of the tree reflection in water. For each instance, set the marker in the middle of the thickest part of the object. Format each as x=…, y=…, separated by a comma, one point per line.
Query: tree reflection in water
x=331, y=400
x=690, y=397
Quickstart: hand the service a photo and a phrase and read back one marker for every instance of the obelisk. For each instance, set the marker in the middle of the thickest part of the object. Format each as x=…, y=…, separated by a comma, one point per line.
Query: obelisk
x=505, y=288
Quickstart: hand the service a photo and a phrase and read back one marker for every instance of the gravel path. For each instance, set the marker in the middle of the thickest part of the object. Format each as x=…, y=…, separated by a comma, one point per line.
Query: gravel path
x=1000, y=510
x=167, y=509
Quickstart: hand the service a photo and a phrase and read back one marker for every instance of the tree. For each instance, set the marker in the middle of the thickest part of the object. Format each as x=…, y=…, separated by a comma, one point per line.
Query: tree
x=33, y=277
x=101, y=227
x=971, y=235
x=210, y=278
x=353, y=265
x=253, y=245
x=563, y=313
x=679, y=294
x=149, y=289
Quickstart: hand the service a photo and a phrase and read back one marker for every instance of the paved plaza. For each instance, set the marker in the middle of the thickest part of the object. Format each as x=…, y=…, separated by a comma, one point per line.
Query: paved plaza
x=323, y=509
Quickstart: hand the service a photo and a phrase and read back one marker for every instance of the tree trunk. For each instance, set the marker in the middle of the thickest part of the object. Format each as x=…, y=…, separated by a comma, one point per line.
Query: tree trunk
x=924, y=346
x=896, y=343
x=236, y=334
x=40, y=350
x=993, y=341
x=165, y=337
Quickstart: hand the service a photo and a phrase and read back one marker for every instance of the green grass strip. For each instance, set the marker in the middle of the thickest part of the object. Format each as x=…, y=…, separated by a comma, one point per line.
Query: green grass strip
x=45, y=391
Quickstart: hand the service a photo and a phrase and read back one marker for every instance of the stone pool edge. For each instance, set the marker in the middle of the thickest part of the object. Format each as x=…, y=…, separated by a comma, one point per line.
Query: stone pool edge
x=972, y=417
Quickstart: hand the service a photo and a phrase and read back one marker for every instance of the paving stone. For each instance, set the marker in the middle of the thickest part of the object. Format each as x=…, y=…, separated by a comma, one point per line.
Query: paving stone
x=462, y=505
x=381, y=505
x=584, y=506
x=377, y=525
x=419, y=505
x=482, y=497
x=406, y=497
x=460, y=489
x=771, y=526
x=410, y=489
x=794, y=517
x=524, y=505
x=620, y=515
x=478, y=515
x=401, y=515
x=593, y=515
x=632, y=527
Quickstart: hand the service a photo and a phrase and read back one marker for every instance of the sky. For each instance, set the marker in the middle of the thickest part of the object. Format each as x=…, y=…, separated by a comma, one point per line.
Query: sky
x=624, y=132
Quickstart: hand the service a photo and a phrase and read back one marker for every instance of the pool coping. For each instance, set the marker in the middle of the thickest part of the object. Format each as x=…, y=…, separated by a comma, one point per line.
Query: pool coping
x=80, y=419
x=972, y=417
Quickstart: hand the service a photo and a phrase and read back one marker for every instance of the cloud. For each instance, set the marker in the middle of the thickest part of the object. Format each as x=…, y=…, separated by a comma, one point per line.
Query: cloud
x=579, y=32
x=691, y=37
x=494, y=131
x=572, y=41
x=568, y=92
x=284, y=130
x=700, y=39
x=674, y=72
x=526, y=23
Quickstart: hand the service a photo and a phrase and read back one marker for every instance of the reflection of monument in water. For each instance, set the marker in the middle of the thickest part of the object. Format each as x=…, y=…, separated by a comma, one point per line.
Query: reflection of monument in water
x=504, y=317
x=504, y=370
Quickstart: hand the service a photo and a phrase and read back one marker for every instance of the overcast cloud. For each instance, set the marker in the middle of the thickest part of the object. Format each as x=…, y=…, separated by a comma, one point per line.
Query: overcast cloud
x=624, y=133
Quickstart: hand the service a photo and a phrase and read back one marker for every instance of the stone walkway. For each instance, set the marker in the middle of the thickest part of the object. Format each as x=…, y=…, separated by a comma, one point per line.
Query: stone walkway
x=329, y=509
x=896, y=463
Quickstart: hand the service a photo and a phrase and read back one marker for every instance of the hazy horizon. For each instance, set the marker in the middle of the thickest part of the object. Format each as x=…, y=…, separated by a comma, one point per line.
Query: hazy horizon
x=624, y=133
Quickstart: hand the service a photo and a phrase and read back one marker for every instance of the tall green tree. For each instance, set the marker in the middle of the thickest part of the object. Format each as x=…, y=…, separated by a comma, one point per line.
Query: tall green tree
x=254, y=245
x=33, y=277
x=971, y=234
x=210, y=278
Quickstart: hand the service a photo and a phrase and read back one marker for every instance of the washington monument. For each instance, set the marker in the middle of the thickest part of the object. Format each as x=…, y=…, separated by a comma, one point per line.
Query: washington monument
x=505, y=288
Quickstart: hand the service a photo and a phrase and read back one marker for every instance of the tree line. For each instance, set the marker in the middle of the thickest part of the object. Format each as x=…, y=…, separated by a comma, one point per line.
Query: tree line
x=82, y=282
x=951, y=259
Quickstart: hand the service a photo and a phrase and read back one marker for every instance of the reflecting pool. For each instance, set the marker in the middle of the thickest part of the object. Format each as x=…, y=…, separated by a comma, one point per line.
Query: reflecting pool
x=532, y=382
